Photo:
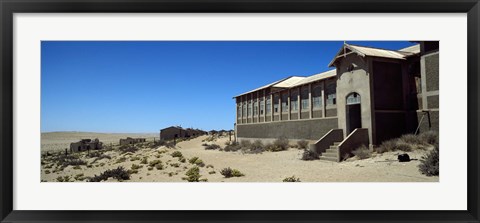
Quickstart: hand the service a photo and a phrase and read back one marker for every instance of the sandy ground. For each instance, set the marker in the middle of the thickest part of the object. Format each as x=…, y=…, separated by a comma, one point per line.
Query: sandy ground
x=52, y=141
x=265, y=167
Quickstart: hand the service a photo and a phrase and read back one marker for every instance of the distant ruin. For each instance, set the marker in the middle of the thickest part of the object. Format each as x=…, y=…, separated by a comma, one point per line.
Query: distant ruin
x=85, y=144
x=130, y=140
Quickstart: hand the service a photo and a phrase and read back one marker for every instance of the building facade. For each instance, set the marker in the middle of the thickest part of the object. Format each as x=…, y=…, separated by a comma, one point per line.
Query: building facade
x=175, y=132
x=386, y=93
x=85, y=144
x=131, y=141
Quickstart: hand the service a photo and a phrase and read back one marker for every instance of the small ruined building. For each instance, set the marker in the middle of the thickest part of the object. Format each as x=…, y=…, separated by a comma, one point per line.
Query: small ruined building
x=85, y=144
x=371, y=95
x=175, y=132
x=131, y=141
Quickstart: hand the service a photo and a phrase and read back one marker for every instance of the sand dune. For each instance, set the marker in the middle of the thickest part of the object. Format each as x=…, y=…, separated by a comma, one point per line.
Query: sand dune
x=265, y=167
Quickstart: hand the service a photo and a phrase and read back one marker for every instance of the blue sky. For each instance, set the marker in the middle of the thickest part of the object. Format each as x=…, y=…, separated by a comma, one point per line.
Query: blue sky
x=144, y=86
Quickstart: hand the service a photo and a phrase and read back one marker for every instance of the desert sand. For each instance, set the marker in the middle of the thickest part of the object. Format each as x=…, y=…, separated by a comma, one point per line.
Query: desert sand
x=264, y=167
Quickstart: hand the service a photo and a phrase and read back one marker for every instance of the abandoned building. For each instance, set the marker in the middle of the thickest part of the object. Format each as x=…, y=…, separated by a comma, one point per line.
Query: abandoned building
x=370, y=96
x=129, y=141
x=85, y=144
x=174, y=132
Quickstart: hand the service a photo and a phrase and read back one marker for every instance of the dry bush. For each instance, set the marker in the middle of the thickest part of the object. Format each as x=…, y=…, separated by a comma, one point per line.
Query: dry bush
x=429, y=137
x=193, y=175
x=279, y=144
x=177, y=154
x=309, y=155
x=119, y=173
x=212, y=147
x=234, y=146
x=362, y=152
x=429, y=164
x=254, y=148
x=302, y=144
x=291, y=179
x=229, y=172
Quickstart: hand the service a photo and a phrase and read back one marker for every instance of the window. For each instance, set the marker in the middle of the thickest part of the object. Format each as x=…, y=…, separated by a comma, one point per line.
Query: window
x=285, y=102
x=331, y=94
x=249, y=112
x=244, y=109
x=317, y=97
x=294, y=100
x=275, y=103
x=353, y=98
x=262, y=106
x=304, y=98
x=239, y=110
x=269, y=104
x=255, y=107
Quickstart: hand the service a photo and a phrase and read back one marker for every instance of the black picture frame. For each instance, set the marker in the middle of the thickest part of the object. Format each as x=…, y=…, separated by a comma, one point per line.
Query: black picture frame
x=9, y=7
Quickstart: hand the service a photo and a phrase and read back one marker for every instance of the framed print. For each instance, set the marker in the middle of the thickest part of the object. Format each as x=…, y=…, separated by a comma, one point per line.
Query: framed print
x=239, y=111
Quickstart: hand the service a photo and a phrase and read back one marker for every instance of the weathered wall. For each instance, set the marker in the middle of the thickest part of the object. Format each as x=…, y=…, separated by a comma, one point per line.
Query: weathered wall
x=434, y=120
x=357, y=80
x=312, y=129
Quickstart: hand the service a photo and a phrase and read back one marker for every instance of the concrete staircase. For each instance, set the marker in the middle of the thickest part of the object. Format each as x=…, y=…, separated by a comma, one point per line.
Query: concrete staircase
x=331, y=154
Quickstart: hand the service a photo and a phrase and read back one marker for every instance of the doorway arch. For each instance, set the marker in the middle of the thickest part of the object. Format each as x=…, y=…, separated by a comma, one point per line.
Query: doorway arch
x=353, y=112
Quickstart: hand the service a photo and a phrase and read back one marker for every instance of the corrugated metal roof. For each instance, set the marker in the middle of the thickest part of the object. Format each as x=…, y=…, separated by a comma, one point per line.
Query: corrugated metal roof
x=375, y=52
x=317, y=77
x=264, y=86
x=289, y=82
x=411, y=49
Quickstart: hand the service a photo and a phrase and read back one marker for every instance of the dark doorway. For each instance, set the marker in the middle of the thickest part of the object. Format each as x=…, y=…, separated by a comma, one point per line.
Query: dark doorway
x=353, y=112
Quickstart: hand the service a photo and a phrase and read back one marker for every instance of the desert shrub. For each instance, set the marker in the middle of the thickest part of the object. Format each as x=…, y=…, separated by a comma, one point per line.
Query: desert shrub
x=429, y=137
x=136, y=167
x=227, y=143
x=212, y=172
x=254, y=148
x=302, y=144
x=212, y=147
x=100, y=157
x=362, y=152
x=193, y=159
x=135, y=158
x=119, y=173
x=127, y=149
x=121, y=160
x=47, y=171
x=94, y=154
x=69, y=160
x=279, y=144
x=309, y=155
x=177, y=154
x=63, y=179
x=144, y=160
x=209, y=166
x=245, y=143
x=157, y=164
x=175, y=164
x=204, y=144
x=229, y=172
x=411, y=139
x=403, y=146
x=79, y=177
x=429, y=164
x=150, y=168
x=234, y=146
x=193, y=175
x=182, y=159
x=77, y=167
x=291, y=179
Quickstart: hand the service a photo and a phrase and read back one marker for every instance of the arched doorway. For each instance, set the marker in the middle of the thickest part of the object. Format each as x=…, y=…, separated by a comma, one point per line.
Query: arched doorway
x=353, y=112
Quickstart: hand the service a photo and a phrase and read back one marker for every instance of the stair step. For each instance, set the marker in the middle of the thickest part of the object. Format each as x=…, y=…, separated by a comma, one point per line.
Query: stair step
x=334, y=159
x=332, y=155
x=333, y=148
x=330, y=152
x=336, y=143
